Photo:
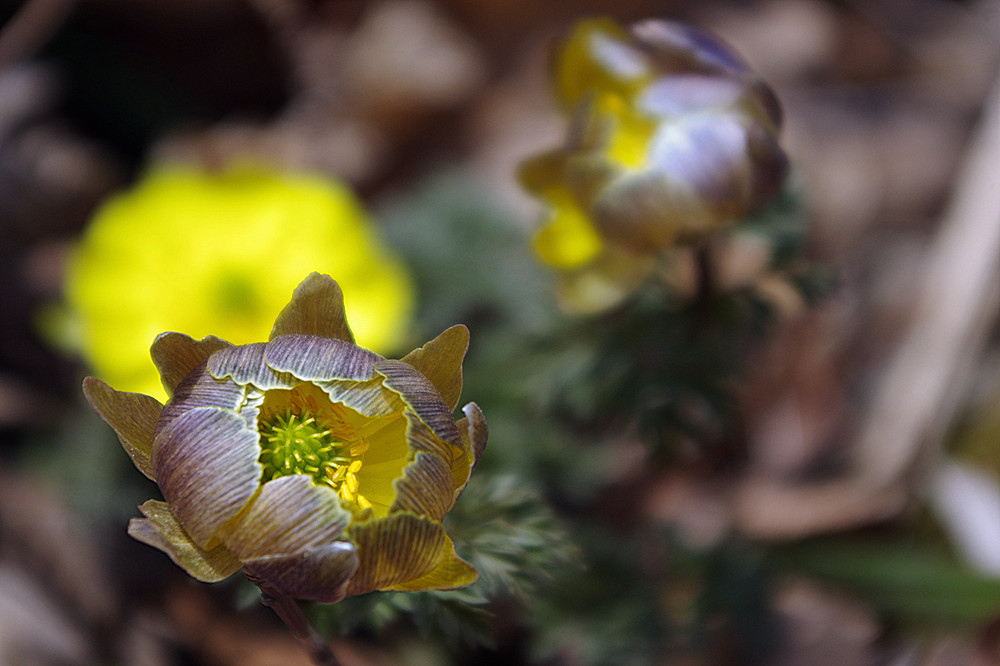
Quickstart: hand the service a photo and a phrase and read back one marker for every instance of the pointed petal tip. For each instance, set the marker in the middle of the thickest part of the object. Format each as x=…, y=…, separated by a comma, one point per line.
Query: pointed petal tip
x=450, y=573
x=91, y=384
x=459, y=329
x=316, y=308
x=133, y=417
x=440, y=361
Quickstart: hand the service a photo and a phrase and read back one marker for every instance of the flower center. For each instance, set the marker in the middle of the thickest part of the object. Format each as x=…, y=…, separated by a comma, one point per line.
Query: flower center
x=296, y=443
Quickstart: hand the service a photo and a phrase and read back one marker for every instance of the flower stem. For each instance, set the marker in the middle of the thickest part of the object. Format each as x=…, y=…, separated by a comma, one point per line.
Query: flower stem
x=706, y=283
x=291, y=614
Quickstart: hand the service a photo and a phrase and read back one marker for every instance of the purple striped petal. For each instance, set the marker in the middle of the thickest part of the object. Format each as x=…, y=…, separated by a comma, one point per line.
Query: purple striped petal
x=176, y=356
x=206, y=465
x=200, y=389
x=289, y=515
x=319, y=359
x=422, y=398
x=393, y=550
x=425, y=489
x=245, y=364
x=320, y=573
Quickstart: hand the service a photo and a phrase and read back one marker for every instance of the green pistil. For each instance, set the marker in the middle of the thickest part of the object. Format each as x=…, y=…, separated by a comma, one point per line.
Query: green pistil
x=297, y=444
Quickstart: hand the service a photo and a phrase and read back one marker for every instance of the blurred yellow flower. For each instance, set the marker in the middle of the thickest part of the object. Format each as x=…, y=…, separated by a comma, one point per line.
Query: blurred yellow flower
x=321, y=469
x=671, y=138
x=218, y=253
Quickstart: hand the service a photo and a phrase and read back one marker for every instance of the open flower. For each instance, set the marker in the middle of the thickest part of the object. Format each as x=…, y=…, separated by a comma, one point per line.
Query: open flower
x=217, y=253
x=671, y=138
x=316, y=466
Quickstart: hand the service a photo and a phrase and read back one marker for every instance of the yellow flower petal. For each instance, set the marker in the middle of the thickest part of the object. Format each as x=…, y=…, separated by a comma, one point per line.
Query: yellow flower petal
x=387, y=456
x=597, y=56
x=627, y=143
x=218, y=252
x=568, y=239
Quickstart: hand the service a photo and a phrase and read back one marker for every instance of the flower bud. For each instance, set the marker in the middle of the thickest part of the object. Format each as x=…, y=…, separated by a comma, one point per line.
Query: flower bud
x=316, y=466
x=671, y=138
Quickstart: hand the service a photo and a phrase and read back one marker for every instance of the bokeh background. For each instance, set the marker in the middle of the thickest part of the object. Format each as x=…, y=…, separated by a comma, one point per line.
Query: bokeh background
x=851, y=517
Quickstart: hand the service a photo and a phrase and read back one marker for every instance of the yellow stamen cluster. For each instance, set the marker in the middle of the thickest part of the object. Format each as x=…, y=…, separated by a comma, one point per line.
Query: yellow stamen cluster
x=294, y=443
